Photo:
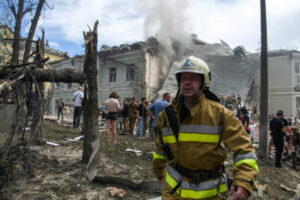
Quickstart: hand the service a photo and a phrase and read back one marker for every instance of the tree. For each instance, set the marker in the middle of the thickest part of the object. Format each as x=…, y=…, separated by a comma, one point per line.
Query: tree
x=90, y=115
x=22, y=77
x=18, y=15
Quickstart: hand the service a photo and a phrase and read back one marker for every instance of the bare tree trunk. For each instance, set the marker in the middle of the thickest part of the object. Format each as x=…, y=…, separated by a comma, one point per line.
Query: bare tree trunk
x=33, y=26
x=90, y=115
x=17, y=29
x=17, y=32
x=61, y=75
x=18, y=126
x=36, y=126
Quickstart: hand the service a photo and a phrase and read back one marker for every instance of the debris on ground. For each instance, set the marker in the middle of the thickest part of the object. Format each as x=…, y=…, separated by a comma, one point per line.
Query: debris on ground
x=116, y=191
x=137, y=152
x=59, y=172
x=52, y=143
x=287, y=188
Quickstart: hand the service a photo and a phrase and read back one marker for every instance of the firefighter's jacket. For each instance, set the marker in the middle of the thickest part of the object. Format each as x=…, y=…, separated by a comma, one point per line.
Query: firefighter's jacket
x=200, y=146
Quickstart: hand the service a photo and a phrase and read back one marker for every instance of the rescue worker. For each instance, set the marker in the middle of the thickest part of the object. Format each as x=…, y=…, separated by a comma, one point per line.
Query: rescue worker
x=192, y=132
x=133, y=114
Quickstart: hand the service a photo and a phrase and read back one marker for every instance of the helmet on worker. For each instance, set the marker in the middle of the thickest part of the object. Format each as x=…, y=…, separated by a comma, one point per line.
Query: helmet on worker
x=196, y=65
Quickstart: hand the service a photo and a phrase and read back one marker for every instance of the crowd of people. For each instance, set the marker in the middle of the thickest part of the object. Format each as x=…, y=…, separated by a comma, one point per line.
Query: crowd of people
x=137, y=118
x=281, y=136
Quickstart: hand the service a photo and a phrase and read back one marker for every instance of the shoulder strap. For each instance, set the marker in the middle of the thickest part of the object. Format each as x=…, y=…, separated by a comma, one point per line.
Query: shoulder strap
x=76, y=95
x=173, y=120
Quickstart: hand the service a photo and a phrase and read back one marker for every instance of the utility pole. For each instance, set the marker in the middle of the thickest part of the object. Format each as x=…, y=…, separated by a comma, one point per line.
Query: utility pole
x=264, y=93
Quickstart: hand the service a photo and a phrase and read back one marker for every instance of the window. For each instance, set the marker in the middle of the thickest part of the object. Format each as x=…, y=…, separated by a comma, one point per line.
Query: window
x=130, y=74
x=112, y=74
x=298, y=106
x=297, y=73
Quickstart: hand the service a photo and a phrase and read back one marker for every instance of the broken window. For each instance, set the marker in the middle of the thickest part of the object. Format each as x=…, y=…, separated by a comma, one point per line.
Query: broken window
x=297, y=73
x=130, y=74
x=112, y=74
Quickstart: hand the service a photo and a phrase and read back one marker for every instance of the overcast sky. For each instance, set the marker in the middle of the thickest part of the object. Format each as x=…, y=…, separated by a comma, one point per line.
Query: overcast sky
x=237, y=22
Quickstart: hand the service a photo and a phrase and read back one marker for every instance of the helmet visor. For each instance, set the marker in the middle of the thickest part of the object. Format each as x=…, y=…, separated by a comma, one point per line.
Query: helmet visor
x=190, y=70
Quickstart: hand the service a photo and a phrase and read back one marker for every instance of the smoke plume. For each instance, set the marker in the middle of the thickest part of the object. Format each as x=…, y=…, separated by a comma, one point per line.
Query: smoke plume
x=168, y=21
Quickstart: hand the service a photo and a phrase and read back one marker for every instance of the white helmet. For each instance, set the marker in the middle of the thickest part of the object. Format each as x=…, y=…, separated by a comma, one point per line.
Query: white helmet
x=194, y=65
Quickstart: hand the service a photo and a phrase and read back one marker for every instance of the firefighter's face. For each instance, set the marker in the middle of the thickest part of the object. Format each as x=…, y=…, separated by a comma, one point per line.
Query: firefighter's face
x=190, y=84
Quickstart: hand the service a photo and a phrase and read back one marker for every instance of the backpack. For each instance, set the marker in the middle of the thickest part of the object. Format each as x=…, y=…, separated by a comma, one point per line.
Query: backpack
x=247, y=127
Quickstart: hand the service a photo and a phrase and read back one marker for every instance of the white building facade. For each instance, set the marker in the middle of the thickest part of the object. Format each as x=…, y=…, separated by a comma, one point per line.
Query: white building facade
x=284, y=82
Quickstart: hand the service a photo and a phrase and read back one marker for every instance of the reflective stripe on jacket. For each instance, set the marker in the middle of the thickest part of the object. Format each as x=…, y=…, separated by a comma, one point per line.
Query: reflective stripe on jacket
x=201, y=140
x=189, y=190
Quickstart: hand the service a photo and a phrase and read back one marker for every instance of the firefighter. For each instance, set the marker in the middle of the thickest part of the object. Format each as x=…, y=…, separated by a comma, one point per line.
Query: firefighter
x=192, y=133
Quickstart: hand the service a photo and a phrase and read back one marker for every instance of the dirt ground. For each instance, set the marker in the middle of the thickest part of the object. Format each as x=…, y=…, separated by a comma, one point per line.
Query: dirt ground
x=56, y=172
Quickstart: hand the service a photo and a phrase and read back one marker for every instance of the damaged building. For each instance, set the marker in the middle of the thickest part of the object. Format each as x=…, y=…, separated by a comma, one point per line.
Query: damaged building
x=130, y=70
x=144, y=69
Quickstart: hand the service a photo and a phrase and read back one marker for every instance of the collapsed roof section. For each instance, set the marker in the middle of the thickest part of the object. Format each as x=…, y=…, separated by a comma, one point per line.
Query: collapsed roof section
x=151, y=45
x=233, y=71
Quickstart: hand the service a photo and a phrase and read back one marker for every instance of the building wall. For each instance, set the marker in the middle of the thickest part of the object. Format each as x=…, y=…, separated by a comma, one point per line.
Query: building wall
x=282, y=83
x=153, y=75
x=64, y=90
x=125, y=89
x=145, y=83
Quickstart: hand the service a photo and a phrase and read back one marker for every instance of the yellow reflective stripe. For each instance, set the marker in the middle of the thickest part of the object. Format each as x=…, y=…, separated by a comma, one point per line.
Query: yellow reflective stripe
x=196, y=137
x=251, y=162
x=249, y=155
x=158, y=156
x=172, y=182
x=169, y=139
x=192, y=194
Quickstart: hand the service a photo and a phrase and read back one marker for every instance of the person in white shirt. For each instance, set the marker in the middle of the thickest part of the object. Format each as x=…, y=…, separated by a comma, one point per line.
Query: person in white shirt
x=252, y=131
x=77, y=98
x=112, y=106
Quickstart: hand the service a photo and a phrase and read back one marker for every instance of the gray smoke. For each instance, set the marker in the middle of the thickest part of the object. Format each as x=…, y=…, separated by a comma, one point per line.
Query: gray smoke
x=168, y=21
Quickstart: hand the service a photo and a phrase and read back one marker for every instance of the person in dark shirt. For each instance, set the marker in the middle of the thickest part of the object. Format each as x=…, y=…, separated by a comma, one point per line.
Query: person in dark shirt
x=245, y=119
x=141, y=115
x=286, y=138
x=125, y=116
x=277, y=133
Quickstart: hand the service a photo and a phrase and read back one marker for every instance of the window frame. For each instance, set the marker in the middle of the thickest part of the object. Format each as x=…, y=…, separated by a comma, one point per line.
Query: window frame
x=112, y=74
x=130, y=73
x=297, y=73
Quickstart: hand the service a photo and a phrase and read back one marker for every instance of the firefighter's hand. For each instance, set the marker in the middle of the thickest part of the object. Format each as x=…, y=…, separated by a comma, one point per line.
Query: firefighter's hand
x=162, y=179
x=241, y=193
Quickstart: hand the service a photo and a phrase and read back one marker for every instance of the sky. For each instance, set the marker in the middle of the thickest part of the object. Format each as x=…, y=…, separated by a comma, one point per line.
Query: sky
x=237, y=22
